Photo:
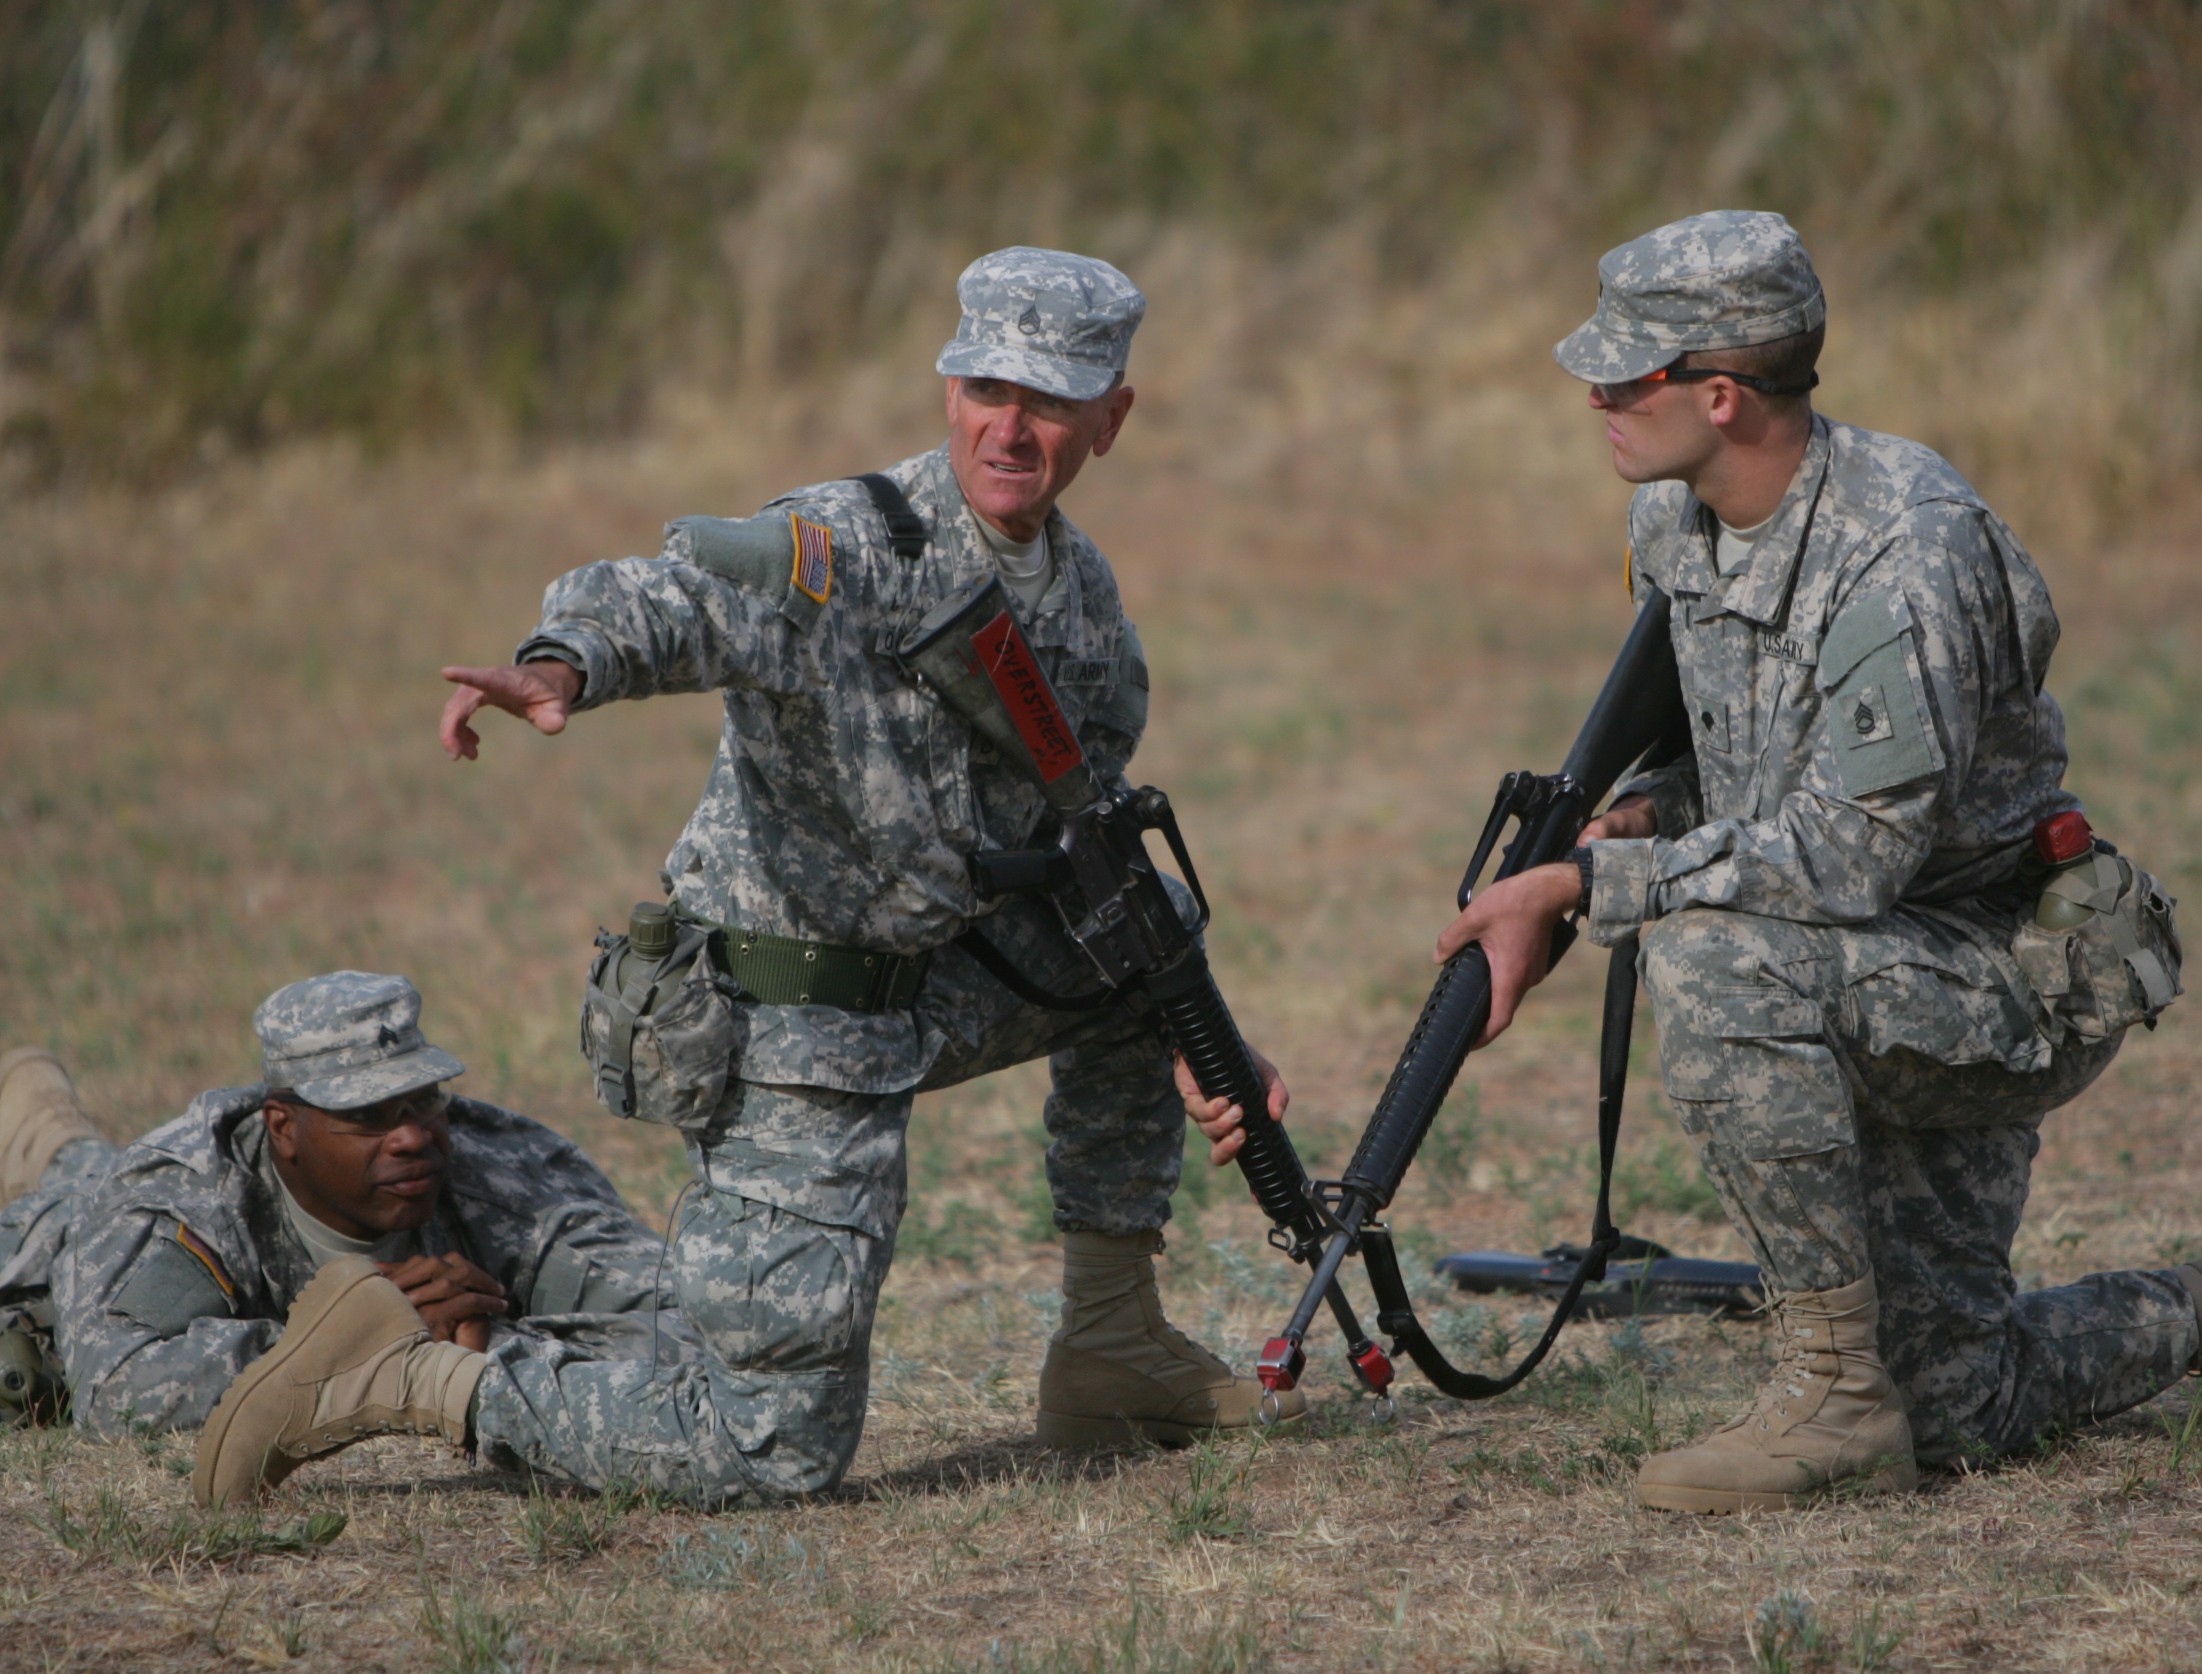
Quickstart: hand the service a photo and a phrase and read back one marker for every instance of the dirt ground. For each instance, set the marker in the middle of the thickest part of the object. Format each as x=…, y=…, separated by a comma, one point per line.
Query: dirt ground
x=218, y=773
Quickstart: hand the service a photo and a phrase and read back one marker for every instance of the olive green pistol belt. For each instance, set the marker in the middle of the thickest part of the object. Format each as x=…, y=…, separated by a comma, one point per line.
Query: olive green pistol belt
x=782, y=971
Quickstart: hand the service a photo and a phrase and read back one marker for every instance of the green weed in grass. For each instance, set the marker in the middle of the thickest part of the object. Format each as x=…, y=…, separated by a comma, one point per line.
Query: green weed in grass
x=1211, y=1503
x=1785, y=1635
x=1196, y=1180
x=111, y=1530
x=1873, y=1640
x=470, y=1637
x=2186, y=1440
x=563, y=1528
x=1663, y=1176
x=1143, y=1641
x=725, y=1559
x=956, y=1231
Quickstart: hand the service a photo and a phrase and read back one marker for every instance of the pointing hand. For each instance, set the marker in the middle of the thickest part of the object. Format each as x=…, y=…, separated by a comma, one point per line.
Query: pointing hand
x=542, y=694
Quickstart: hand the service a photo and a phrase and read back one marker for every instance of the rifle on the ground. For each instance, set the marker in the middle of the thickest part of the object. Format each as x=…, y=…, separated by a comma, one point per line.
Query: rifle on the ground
x=1638, y=716
x=1641, y=1277
x=1114, y=905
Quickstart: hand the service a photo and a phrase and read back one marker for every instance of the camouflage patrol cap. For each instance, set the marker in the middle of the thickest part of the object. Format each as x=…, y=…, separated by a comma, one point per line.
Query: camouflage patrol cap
x=1046, y=319
x=348, y=1039
x=1718, y=281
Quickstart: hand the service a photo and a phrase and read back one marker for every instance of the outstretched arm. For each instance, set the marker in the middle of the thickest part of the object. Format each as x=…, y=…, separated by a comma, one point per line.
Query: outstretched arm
x=541, y=693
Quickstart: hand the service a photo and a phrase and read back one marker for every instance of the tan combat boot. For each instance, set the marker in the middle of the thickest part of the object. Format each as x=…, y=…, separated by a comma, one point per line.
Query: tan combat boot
x=2190, y=1275
x=38, y=1116
x=1117, y=1372
x=1828, y=1419
x=354, y=1361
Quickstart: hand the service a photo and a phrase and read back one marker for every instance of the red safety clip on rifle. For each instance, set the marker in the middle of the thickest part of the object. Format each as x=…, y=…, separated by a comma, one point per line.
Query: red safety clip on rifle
x=1113, y=903
x=1638, y=716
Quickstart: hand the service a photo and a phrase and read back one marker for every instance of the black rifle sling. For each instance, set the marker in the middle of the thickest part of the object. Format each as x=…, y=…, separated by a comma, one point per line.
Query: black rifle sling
x=1395, y=1316
x=906, y=531
x=997, y=966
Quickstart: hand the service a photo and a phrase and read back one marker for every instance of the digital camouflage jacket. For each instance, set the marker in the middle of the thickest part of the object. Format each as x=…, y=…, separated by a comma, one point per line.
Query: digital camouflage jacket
x=1869, y=715
x=844, y=801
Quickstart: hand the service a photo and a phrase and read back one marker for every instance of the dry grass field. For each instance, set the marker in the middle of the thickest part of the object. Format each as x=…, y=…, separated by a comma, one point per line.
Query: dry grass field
x=1364, y=602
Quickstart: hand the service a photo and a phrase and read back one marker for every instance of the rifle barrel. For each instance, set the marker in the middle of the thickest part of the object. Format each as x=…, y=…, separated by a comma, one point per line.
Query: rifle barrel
x=1201, y=1024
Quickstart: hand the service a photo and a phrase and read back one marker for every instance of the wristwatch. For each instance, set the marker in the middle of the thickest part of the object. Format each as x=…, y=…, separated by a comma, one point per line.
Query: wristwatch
x=1581, y=855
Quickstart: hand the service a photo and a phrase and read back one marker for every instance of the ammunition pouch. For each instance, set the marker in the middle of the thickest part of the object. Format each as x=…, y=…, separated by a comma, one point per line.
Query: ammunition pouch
x=659, y=1034
x=2118, y=966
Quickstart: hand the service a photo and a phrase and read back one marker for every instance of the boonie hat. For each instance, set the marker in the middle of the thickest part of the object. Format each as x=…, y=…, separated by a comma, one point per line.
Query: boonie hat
x=1718, y=281
x=348, y=1039
x=1047, y=319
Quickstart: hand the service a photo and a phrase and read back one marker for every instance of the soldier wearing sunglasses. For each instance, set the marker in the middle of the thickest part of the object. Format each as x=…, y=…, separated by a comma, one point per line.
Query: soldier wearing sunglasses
x=1842, y=898
x=1832, y=891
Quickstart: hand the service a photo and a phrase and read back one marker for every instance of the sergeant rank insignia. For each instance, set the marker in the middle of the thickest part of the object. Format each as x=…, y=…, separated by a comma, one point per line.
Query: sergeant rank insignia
x=813, y=558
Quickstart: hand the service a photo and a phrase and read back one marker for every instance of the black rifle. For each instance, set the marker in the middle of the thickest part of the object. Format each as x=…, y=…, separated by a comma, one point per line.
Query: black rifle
x=1641, y=1278
x=1638, y=716
x=1112, y=901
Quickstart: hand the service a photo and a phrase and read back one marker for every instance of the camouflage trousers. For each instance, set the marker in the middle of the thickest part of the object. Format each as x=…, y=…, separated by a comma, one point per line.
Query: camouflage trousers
x=1846, y=1091
x=44, y=1215
x=780, y=1254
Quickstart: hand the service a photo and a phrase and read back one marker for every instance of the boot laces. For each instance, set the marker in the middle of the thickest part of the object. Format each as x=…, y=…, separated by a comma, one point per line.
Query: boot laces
x=1793, y=1374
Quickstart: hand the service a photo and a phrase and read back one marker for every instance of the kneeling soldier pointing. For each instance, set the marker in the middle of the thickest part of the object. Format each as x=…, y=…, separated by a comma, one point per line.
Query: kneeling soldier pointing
x=828, y=867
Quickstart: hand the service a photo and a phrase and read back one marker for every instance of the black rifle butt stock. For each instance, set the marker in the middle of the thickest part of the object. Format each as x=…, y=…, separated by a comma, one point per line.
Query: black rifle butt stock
x=1452, y=1017
x=1201, y=1025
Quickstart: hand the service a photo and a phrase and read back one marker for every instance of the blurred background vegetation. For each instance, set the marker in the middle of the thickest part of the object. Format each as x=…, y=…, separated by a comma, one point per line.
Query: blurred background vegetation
x=225, y=225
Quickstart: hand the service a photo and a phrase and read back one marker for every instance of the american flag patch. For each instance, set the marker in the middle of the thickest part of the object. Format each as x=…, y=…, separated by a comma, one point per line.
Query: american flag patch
x=813, y=558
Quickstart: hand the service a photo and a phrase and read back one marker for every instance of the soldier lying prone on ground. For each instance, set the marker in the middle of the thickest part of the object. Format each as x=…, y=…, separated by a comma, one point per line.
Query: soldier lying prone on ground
x=149, y=1275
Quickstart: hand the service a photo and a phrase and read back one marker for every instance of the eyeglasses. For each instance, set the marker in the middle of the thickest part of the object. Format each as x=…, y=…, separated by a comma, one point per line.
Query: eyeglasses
x=426, y=1107
x=1629, y=393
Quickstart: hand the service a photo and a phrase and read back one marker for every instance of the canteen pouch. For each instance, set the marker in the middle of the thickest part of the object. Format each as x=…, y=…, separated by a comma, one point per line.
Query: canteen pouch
x=2118, y=966
x=659, y=1035
x=33, y=1387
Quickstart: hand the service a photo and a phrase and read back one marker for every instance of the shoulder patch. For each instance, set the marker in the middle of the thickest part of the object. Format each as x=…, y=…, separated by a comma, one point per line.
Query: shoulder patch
x=1875, y=698
x=813, y=572
x=205, y=1252
x=173, y=1284
x=1862, y=628
x=750, y=552
x=1628, y=569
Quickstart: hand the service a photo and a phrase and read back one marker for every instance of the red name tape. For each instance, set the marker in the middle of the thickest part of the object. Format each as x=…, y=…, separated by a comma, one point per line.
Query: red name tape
x=1008, y=661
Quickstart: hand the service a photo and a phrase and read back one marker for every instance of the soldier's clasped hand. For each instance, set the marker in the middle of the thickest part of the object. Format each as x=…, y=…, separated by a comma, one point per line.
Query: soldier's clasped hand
x=455, y=1297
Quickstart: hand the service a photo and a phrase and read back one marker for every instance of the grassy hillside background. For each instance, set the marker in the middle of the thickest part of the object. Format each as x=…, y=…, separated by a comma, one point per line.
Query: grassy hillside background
x=331, y=332
x=231, y=224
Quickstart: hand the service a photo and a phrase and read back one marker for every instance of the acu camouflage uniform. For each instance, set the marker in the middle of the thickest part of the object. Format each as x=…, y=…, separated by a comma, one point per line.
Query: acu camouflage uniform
x=168, y=1265
x=842, y=808
x=1827, y=914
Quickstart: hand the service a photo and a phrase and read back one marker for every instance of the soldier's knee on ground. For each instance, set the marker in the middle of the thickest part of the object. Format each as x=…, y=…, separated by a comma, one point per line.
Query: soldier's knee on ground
x=771, y=1291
